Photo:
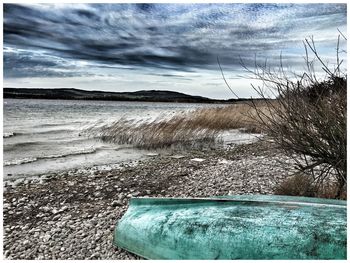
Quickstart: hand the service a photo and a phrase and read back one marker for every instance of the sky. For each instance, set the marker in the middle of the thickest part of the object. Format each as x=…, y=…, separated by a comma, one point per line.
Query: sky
x=130, y=47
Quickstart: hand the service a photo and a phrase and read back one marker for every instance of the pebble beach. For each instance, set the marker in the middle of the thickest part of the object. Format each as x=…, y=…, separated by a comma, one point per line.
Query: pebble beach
x=72, y=215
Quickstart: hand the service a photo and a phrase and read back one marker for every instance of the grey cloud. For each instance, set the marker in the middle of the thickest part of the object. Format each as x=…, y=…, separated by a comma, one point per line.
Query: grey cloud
x=31, y=64
x=168, y=36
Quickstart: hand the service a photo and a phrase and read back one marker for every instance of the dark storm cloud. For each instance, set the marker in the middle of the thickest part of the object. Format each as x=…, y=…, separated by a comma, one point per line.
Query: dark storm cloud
x=20, y=63
x=171, y=36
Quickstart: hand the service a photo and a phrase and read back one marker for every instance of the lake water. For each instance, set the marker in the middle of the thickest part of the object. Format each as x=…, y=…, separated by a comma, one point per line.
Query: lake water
x=42, y=136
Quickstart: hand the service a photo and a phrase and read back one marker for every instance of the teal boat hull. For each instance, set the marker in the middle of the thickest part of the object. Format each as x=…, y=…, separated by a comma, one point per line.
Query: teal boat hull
x=234, y=227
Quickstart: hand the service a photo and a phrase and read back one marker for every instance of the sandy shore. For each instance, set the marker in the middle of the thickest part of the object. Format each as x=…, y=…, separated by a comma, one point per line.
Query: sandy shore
x=72, y=215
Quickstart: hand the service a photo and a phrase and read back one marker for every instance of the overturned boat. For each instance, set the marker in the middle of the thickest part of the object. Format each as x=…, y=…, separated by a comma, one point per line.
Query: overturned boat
x=234, y=227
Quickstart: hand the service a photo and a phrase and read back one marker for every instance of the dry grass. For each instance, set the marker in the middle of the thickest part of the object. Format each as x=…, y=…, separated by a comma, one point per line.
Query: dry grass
x=156, y=134
x=200, y=127
x=304, y=185
x=236, y=116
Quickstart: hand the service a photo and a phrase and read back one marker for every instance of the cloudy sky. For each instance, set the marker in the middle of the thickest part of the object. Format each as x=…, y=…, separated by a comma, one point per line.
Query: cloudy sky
x=129, y=47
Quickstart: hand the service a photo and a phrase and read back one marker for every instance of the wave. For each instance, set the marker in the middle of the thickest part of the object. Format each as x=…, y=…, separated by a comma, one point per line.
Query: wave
x=20, y=161
x=48, y=132
x=53, y=131
x=65, y=141
x=34, y=159
x=56, y=124
x=19, y=145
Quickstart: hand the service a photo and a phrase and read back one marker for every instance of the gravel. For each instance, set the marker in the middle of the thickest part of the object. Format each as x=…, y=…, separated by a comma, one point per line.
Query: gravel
x=72, y=215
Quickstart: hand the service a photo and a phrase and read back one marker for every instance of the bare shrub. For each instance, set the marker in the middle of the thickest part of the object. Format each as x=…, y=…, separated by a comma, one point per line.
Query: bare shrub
x=308, y=117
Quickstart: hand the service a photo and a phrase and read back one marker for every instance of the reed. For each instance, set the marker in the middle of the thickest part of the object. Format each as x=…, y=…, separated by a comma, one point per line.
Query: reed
x=197, y=128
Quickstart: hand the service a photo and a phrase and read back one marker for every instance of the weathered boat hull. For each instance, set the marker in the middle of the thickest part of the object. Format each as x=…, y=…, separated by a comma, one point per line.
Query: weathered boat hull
x=234, y=227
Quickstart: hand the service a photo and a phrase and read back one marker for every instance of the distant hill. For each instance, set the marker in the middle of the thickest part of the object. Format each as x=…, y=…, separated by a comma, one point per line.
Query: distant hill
x=77, y=94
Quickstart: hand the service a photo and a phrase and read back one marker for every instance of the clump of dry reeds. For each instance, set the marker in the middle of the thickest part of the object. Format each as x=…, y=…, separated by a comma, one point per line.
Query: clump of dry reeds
x=200, y=127
x=156, y=134
x=237, y=116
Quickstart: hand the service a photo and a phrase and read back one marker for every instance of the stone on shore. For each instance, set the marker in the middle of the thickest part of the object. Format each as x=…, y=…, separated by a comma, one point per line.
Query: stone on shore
x=74, y=215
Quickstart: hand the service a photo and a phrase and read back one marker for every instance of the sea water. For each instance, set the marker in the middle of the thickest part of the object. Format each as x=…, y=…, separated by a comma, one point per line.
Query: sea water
x=47, y=136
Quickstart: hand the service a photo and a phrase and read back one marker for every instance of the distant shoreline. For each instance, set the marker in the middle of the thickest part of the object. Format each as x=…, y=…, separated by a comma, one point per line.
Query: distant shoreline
x=137, y=96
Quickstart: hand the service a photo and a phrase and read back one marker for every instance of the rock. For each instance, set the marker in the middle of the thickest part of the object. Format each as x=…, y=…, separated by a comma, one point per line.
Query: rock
x=45, y=208
x=97, y=194
x=95, y=255
x=56, y=217
x=116, y=203
x=26, y=227
x=64, y=208
x=25, y=243
x=55, y=211
x=224, y=161
x=177, y=156
x=152, y=154
x=46, y=237
x=197, y=160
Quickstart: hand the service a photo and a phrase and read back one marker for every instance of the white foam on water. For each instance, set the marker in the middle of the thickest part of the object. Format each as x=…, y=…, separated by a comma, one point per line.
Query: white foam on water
x=19, y=161
x=8, y=134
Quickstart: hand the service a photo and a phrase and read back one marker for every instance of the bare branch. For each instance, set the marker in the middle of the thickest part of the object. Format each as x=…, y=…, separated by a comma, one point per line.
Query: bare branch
x=223, y=76
x=307, y=118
